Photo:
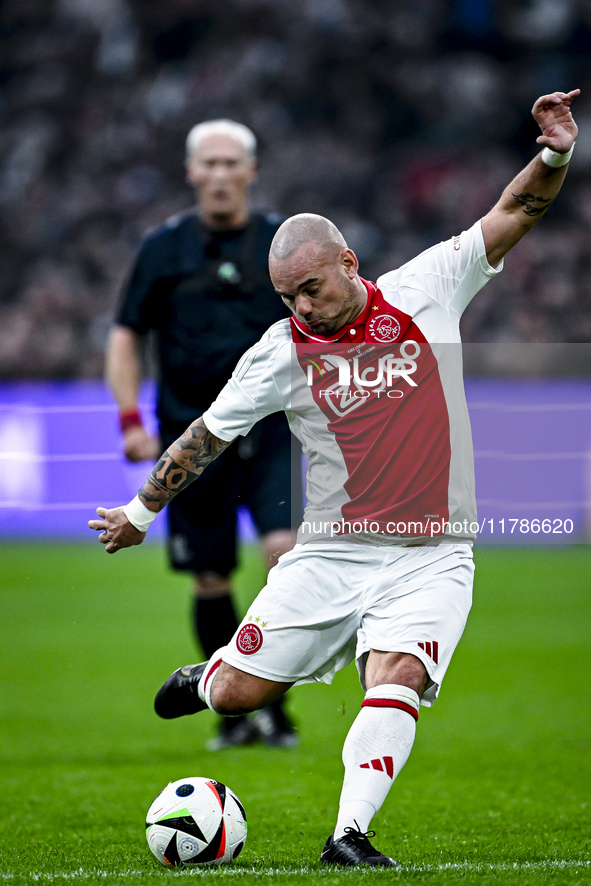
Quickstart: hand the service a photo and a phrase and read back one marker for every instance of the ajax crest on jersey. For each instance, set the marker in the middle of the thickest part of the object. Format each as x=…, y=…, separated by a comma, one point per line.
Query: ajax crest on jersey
x=196, y=821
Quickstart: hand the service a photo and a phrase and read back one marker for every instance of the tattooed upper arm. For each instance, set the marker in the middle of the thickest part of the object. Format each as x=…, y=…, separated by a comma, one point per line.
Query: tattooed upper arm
x=182, y=463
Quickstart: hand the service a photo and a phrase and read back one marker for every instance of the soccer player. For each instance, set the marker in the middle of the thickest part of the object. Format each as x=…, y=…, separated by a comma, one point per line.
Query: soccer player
x=370, y=377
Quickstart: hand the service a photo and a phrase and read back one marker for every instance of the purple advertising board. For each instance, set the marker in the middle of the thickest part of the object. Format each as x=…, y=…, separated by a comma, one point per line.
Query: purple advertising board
x=532, y=456
x=61, y=458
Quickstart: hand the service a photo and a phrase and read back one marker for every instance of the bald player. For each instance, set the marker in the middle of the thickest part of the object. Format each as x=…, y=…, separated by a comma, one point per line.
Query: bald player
x=370, y=377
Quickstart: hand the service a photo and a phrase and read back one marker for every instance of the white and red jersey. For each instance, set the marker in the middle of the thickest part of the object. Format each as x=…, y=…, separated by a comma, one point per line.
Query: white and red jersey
x=379, y=407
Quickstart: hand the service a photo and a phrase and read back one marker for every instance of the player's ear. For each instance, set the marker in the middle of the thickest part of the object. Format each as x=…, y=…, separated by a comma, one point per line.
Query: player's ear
x=349, y=262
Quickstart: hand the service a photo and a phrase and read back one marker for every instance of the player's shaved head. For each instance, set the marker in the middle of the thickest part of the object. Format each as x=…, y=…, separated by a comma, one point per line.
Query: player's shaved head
x=306, y=228
x=315, y=273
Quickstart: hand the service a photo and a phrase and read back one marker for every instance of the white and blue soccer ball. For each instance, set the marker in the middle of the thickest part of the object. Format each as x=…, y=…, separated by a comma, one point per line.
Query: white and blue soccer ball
x=196, y=821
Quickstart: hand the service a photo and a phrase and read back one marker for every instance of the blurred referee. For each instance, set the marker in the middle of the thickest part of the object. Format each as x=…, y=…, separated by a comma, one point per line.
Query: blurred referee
x=201, y=283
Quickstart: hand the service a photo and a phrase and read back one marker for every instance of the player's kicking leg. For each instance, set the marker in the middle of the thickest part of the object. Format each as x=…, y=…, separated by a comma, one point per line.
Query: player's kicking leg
x=192, y=688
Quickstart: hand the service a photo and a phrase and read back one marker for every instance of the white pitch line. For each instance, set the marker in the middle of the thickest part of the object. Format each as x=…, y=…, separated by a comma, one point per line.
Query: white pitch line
x=485, y=867
x=461, y=867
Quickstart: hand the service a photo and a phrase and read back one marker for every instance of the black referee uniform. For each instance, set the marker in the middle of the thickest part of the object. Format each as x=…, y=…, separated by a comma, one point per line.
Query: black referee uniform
x=208, y=298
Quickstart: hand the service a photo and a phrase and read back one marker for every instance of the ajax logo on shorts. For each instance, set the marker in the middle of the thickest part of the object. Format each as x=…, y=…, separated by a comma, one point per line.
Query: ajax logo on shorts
x=249, y=639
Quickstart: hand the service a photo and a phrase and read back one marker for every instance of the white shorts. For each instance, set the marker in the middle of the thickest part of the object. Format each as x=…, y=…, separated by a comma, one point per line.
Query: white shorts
x=329, y=602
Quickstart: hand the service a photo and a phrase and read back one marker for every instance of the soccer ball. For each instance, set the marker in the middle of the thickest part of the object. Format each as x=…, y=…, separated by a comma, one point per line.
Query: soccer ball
x=196, y=821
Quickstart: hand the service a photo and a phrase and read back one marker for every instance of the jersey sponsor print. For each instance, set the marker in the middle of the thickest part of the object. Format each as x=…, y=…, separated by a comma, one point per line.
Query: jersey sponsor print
x=377, y=384
x=386, y=411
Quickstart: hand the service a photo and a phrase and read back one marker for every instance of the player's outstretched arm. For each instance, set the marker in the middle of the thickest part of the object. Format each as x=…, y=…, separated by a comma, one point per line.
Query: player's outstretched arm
x=530, y=194
x=179, y=466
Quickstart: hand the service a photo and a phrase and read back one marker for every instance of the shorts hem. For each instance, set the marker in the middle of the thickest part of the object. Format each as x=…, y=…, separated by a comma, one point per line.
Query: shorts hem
x=257, y=672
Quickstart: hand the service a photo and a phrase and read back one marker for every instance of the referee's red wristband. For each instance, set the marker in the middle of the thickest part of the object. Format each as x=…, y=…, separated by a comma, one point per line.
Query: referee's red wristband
x=130, y=419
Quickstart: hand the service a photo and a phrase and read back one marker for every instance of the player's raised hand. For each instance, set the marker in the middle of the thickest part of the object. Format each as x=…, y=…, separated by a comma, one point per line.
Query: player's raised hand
x=116, y=530
x=553, y=115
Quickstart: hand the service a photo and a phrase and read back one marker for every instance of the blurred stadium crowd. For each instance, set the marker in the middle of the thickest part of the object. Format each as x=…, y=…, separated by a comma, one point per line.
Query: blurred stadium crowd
x=401, y=120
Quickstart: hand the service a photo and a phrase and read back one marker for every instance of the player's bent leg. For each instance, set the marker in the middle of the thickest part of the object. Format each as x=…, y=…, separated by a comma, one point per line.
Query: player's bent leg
x=215, y=685
x=235, y=692
x=215, y=621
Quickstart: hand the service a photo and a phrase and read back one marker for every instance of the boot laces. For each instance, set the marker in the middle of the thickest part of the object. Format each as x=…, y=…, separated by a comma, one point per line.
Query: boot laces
x=361, y=840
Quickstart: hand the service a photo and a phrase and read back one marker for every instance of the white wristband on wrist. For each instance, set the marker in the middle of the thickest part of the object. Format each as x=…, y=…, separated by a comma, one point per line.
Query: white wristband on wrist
x=139, y=515
x=556, y=159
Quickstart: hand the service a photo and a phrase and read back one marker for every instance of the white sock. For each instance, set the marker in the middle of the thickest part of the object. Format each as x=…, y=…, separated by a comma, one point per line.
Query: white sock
x=206, y=681
x=376, y=748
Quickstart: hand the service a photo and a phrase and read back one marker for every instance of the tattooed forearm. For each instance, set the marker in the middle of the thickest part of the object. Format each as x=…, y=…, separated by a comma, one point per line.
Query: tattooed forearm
x=197, y=447
x=527, y=200
x=181, y=464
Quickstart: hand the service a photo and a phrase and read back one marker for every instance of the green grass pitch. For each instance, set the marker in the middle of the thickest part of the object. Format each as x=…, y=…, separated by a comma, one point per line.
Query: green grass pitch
x=497, y=789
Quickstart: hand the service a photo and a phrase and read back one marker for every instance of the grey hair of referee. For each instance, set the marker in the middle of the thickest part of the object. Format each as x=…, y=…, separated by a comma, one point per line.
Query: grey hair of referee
x=237, y=131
